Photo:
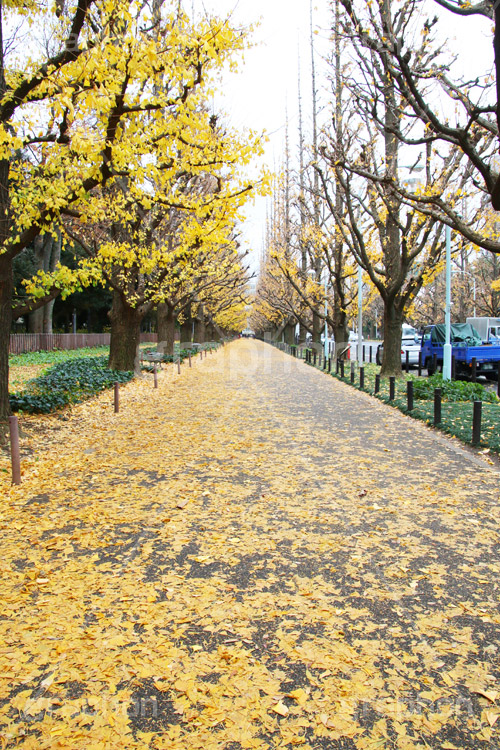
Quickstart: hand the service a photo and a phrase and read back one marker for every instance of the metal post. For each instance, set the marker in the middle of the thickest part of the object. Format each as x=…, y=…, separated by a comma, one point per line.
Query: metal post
x=155, y=375
x=447, y=347
x=352, y=372
x=474, y=370
x=341, y=368
x=409, y=394
x=361, y=377
x=189, y=355
x=437, y=406
x=370, y=355
x=498, y=380
x=420, y=364
x=407, y=362
x=476, y=422
x=377, y=383
x=15, y=454
x=360, y=313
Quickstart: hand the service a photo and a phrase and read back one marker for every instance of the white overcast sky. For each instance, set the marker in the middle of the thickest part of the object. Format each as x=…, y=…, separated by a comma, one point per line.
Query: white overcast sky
x=267, y=86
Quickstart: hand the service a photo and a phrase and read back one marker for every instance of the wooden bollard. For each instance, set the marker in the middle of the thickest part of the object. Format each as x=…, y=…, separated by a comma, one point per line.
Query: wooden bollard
x=155, y=375
x=392, y=388
x=15, y=454
x=476, y=422
x=437, y=406
x=117, y=398
x=409, y=395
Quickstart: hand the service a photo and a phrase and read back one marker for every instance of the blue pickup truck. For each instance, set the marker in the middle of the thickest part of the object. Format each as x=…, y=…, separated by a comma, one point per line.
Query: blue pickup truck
x=466, y=346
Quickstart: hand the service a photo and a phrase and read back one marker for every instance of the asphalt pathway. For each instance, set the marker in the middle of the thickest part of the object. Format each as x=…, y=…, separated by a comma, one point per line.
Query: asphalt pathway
x=253, y=556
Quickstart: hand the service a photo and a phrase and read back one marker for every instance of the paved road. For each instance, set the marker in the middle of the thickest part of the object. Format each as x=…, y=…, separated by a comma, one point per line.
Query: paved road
x=212, y=575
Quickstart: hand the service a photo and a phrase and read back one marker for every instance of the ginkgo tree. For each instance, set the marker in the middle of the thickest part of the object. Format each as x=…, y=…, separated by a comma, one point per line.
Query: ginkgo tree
x=82, y=113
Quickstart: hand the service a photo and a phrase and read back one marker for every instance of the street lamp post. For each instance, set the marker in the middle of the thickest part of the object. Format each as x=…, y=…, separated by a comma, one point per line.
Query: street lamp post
x=447, y=314
x=326, y=315
x=360, y=313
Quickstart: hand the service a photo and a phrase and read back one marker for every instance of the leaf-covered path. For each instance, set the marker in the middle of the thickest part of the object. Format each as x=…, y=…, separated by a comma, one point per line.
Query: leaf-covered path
x=251, y=556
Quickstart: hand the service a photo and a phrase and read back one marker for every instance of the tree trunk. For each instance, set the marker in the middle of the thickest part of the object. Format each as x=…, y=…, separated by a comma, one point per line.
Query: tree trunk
x=125, y=334
x=289, y=332
x=393, y=320
x=165, y=321
x=187, y=327
x=199, y=326
x=6, y=283
x=55, y=257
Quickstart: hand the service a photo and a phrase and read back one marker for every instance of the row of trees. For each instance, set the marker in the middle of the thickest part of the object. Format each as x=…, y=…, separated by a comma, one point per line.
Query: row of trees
x=409, y=147
x=110, y=155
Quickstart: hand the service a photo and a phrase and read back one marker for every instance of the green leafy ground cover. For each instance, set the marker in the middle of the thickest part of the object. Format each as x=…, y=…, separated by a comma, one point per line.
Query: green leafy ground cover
x=67, y=382
x=457, y=403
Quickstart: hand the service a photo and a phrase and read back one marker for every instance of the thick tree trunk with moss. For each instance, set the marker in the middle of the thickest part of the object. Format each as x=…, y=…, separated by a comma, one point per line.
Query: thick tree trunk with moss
x=125, y=334
x=393, y=320
x=165, y=318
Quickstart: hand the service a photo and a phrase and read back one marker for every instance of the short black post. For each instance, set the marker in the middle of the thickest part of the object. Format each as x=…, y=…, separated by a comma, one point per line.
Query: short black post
x=155, y=375
x=437, y=406
x=189, y=356
x=352, y=372
x=329, y=364
x=476, y=422
x=498, y=380
x=392, y=387
x=474, y=370
x=362, y=377
x=363, y=355
x=325, y=363
x=407, y=361
x=370, y=354
x=315, y=355
x=117, y=398
x=337, y=366
x=420, y=364
x=341, y=368
x=15, y=454
x=453, y=367
x=409, y=394
x=377, y=383
x=434, y=362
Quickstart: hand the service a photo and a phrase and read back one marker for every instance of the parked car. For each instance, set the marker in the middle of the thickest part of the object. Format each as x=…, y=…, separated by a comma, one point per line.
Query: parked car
x=410, y=345
x=247, y=333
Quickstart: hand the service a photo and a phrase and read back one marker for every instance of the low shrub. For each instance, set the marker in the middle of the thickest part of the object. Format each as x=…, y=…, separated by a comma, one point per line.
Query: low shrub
x=451, y=390
x=67, y=383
